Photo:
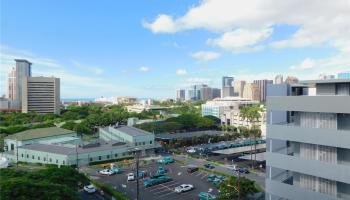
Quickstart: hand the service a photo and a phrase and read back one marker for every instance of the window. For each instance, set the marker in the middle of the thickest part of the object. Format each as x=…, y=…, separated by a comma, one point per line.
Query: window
x=38, y=157
x=139, y=143
x=44, y=159
x=12, y=146
x=150, y=141
x=143, y=143
x=123, y=154
x=63, y=162
x=27, y=155
x=33, y=157
x=99, y=158
x=22, y=155
x=135, y=143
x=107, y=156
x=116, y=155
x=56, y=161
x=50, y=160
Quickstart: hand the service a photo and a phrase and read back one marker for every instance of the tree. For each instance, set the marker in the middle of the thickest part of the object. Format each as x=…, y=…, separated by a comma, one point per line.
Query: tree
x=236, y=188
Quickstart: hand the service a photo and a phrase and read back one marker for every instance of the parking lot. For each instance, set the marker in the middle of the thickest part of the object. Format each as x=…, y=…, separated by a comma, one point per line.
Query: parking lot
x=160, y=191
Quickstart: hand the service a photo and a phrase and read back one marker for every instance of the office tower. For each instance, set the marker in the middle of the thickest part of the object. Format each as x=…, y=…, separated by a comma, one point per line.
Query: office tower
x=15, y=79
x=344, y=75
x=279, y=79
x=238, y=88
x=262, y=84
x=216, y=93
x=41, y=95
x=180, y=95
x=194, y=93
x=251, y=92
x=308, y=149
x=206, y=93
x=291, y=80
x=227, y=87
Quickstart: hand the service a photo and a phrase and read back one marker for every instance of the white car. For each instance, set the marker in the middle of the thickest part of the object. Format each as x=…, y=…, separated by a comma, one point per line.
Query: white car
x=191, y=150
x=89, y=188
x=131, y=177
x=106, y=172
x=184, y=188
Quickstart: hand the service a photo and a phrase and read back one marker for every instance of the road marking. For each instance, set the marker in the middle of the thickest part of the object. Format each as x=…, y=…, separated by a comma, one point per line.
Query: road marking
x=199, y=174
x=205, y=175
x=160, y=196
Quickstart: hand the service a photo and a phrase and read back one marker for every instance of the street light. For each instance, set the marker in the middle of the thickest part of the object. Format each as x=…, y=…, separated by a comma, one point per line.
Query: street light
x=136, y=150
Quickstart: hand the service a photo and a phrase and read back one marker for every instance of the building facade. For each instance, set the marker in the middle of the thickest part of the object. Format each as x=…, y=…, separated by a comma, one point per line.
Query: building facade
x=308, y=149
x=238, y=88
x=41, y=95
x=227, y=86
x=180, y=95
x=279, y=79
x=262, y=85
x=251, y=91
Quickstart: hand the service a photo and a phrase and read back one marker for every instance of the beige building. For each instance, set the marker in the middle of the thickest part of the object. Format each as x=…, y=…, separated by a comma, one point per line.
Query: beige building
x=251, y=91
x=126, y=100
x=238, y=88
x=41, y=95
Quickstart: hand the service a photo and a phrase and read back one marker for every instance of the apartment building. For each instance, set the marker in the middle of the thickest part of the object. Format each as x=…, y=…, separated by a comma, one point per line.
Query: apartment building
x=41, y=95
x=308, y=140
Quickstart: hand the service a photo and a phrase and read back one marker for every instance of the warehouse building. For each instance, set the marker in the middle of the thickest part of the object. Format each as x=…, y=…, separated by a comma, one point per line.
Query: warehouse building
x=63, y=147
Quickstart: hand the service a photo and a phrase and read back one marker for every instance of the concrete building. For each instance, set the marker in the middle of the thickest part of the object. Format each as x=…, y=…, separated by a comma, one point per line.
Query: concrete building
x=126, y=100
x=279, y=79
x=238, y=88
x=291, y=80
x=62, y=147
x=308, y=149
x=41, y=95
x=208, y=93
x=216, y=93
x=344, y=75
x=227, y=86
x=251, y=91
x=262, y=85
x=180, y=95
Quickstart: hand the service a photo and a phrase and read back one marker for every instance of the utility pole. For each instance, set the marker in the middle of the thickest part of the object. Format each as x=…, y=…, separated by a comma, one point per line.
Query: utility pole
x=17, y=152
x=137, y=175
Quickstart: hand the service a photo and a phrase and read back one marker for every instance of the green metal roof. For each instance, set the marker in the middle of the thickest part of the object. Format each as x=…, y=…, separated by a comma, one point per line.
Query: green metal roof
x=39, y=133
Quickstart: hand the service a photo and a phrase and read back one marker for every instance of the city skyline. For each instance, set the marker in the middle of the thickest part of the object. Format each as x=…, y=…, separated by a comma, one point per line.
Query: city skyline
x=163, y=46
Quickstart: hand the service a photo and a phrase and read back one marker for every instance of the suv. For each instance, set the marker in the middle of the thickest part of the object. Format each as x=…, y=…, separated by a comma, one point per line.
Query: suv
x=89, y=188
x=192, y=169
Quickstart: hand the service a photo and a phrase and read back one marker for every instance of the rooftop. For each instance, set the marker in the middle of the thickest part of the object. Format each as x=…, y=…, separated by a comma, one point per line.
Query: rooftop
x=39, y=133
x=132, y=131
x=325, y=81
x=22, y=60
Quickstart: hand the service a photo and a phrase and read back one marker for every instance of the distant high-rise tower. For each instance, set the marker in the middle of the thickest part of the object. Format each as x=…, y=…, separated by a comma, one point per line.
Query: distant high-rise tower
x=251, y=91
x=15, y=79
x=41, y=95
x=262, y=85
x=279, y=79
x=291, y=80
x=227, y=86
x=238, y=88
x=180, y=94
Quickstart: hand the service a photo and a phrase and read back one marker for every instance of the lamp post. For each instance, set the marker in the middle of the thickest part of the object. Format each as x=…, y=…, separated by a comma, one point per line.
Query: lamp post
x=137, y=150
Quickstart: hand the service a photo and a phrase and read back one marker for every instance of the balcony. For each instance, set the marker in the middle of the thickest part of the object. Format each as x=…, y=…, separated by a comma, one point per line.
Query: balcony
x=296, y=164
x=327, y=137
x=327, y=104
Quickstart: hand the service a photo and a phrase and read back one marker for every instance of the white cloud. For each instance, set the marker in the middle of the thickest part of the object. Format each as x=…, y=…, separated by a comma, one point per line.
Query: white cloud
x=308, y=63
x=144, y=69
x=181, y=72
x=318, y=22
x=241, y=40
x=205, y=55
x=163, y=23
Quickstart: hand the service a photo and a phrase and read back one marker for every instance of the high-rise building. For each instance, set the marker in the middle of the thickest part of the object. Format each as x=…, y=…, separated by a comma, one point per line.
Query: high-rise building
x=344, y=75
x=15, y=80
x=41, y=95
x=308, y=149
x=262, y=85
x=194, y=93
x=251, y=92
x=208, y=93
x=238, y=88
x=180, y=95
x=216, y=93
x=291, y=80
x=279, y=79
x=227, y=86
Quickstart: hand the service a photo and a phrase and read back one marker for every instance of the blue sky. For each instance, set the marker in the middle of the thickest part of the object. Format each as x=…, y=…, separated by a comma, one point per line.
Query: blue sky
x=151, y=48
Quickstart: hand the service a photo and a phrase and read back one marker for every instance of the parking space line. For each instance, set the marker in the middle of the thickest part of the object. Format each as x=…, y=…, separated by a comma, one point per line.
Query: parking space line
x=199, y=174
x=161, y=196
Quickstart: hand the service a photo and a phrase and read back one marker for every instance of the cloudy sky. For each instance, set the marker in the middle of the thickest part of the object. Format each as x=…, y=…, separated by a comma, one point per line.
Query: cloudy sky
x=150, y=48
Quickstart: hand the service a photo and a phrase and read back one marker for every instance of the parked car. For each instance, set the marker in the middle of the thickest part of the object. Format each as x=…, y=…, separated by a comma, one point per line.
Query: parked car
x=166, y=160
x=90, y=188
x=192, y=169
x=155, y=181
x=131, y=177
x=184, y=188
x=107, y=172
x=206, y=196
x=209, y=166
x=243, y=170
